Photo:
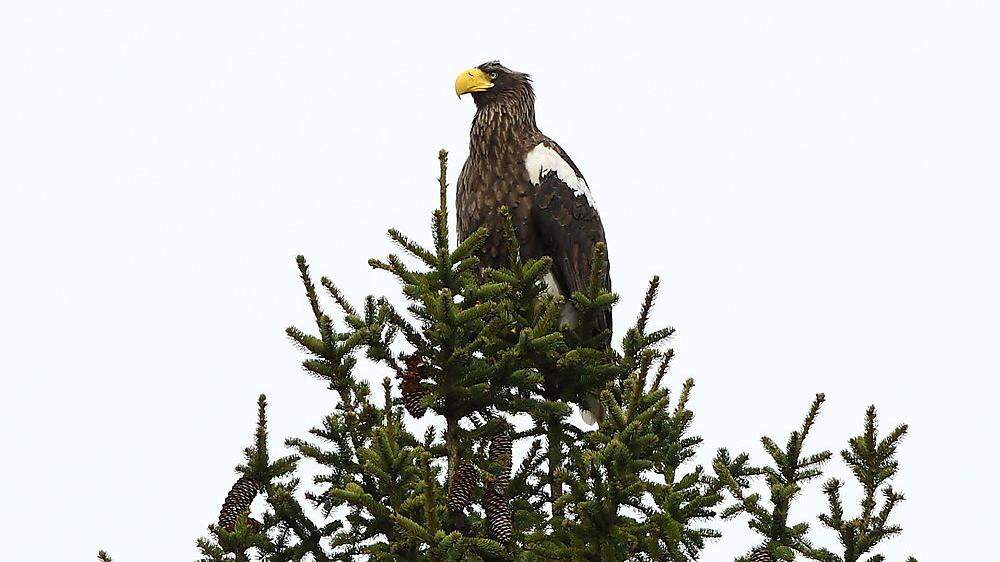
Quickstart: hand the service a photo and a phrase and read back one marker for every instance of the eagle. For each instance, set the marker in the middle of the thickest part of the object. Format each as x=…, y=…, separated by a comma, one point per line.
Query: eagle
x=513, y=164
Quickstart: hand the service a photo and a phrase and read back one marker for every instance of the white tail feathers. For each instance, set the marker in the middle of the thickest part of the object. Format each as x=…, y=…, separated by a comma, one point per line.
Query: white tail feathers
x=592, y=411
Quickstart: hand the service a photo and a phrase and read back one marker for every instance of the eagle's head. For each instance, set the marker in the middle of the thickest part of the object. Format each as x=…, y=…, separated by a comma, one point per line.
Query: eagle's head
x=492, y=81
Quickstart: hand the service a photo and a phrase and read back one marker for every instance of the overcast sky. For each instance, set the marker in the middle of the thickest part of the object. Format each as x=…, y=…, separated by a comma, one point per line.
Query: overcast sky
x=816, y=185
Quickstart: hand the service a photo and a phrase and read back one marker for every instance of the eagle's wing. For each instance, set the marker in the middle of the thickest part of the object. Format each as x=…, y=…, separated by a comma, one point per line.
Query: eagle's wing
x=565, y=217
x=461, y=206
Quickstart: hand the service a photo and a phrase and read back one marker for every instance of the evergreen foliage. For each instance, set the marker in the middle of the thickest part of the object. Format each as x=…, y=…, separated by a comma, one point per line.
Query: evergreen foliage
x=504, y=471
x=873, y=463
x=791, y=468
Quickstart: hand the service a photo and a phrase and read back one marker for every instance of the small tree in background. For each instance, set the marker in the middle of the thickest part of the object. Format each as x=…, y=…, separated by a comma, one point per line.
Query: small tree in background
x=503, y=472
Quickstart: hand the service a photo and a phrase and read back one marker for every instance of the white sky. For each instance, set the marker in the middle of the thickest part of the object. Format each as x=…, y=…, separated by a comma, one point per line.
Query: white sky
x=817, y=186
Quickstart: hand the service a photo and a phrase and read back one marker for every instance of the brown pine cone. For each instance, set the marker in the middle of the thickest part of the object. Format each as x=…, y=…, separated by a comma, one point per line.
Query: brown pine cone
x=498, y=514
x=501, y=455
x=237, y=503
x=761, y=555
x=463, y=482
x=413, y=398
x=413, y=392
x=415, y=368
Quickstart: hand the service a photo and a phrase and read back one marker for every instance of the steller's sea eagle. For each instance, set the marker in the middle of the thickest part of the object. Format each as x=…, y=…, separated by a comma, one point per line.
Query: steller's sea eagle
x=511, y=163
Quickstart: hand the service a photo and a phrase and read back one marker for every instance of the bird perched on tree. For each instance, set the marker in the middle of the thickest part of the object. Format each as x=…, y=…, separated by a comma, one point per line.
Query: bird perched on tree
x=511, y=163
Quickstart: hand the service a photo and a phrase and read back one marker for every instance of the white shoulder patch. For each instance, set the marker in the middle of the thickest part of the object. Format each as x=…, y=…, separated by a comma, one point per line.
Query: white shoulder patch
x=543, y=159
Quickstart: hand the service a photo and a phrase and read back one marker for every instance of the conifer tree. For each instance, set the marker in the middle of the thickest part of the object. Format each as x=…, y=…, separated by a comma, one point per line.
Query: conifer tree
x=504, y=471
x=873, y=463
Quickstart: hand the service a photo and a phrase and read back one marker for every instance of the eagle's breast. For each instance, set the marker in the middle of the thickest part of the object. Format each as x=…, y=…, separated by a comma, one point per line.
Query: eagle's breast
x=495, y=177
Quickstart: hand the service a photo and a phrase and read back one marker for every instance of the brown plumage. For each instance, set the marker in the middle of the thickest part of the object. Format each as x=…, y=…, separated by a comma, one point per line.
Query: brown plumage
x=511, y=163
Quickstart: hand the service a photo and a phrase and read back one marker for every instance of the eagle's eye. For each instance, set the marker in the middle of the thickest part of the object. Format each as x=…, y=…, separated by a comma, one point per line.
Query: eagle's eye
x=493, y=76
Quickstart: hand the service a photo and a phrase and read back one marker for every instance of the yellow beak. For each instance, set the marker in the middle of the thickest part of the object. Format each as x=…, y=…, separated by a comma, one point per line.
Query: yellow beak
x=472, y=80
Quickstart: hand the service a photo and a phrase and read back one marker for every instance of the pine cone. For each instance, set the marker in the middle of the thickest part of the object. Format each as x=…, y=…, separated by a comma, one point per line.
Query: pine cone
x=413, y=393
x=415, y=368
x=761, y=555
x=501, y=454
x=413, y=398
x=463, y=482
x=498, y=514
x=237, y=503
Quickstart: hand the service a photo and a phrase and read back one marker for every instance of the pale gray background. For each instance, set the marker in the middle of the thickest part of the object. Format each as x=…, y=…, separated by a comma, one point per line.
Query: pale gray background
x=816, y=183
